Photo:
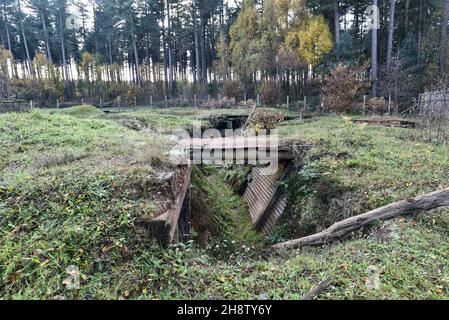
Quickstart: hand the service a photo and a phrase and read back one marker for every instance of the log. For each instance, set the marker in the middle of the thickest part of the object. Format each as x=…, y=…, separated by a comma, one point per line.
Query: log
x=323, y=285
x=337, y=230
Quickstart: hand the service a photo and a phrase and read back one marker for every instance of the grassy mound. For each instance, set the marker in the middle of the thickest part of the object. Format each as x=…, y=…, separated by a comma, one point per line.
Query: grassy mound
x=83, y=111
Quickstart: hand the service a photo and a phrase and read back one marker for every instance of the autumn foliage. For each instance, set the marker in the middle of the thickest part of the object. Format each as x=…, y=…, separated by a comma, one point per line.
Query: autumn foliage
x=233, y=90
x=265, y=120
x=342, y=87
x=270, y=93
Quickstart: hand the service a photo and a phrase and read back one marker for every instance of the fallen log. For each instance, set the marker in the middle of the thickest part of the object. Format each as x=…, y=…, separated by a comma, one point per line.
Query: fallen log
x=337, y=230
x=323, y=285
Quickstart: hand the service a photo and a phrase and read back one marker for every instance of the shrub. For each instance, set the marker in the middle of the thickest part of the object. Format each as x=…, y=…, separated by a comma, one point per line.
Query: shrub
x=264, y=120
x=376, y=105
x=233, y=90
x=132, y=94
x=342, y=87
x=270, y=93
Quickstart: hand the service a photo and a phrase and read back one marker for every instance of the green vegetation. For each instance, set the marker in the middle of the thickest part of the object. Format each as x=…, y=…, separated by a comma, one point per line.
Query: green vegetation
x=355, y=168
x=220, y=217
x=72, y=188
x=83, y=111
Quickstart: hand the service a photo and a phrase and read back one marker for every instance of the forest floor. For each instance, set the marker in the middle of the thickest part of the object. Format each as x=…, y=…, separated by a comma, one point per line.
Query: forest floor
x=73, y=182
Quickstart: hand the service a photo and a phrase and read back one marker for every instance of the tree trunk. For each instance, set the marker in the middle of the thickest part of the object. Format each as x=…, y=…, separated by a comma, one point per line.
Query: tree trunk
x=444, y=44
x=64, y=58
x=170, y=62
x=136, y=55
x=27, y=52
x=109, y=36
x=197, y=50
x=420, y=33
x=337, y=230
x=8, y=37
x=47, y=38
x=222, y=42
x=374, y=53
x=164, y=50
x=391, y=33
x=407, y=9
x=202, y=44
x=95, y=26
x=337, y=29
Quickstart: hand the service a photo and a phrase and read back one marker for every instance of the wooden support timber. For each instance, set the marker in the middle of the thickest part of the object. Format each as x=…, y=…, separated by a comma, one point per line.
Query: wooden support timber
x=165, y=227
x=337, y=230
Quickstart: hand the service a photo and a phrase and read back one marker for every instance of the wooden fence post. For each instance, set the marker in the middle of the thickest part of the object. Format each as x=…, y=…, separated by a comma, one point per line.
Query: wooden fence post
x=57, y=103
x=288, y=102
x=389, y=104
x=419, y=102
x=364, y=104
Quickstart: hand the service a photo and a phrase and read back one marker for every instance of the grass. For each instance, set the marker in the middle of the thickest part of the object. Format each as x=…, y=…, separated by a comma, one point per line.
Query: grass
x=78, y=207
x=82, y=111
x=355, y=168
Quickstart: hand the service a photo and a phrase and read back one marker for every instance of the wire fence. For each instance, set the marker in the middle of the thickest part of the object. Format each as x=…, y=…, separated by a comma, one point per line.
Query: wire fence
x=434, y=103
x=312, y=103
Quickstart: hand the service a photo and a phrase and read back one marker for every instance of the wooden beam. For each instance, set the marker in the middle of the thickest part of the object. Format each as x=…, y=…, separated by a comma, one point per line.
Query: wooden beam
x=337, y=230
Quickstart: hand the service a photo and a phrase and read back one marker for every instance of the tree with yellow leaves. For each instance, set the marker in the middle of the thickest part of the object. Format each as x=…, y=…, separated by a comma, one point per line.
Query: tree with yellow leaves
x=243, y=33
x=311, y=41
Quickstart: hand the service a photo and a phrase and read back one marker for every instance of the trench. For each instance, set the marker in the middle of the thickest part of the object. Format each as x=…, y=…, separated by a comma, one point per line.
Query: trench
x=233, y=200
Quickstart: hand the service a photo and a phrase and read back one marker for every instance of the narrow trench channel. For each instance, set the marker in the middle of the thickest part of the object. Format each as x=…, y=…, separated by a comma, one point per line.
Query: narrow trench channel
x=233, y=203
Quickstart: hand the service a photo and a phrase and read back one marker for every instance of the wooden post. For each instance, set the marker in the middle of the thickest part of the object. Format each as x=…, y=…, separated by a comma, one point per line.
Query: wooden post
x=419, y=102
x=389, y=104
x=101, y=104
x=288, y=102
x=194, y=99
x=219, y=96
x=244, y=98
x=135, y=102
x=151, y=101
x=31, y=104
x=57, y=103
x=364, y=104
x=258, y=99
x=305, y=103
x=166, y=101
x=82, y=101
